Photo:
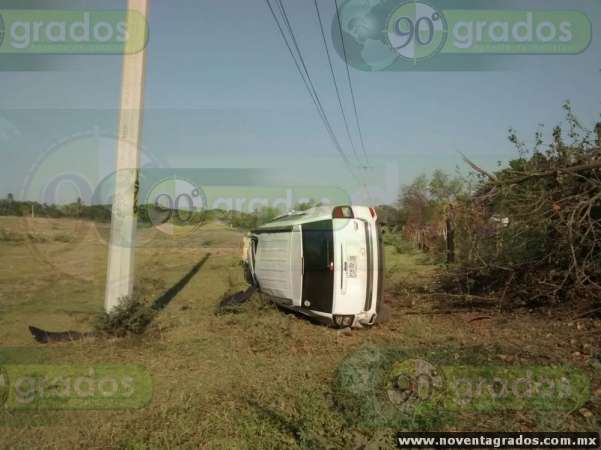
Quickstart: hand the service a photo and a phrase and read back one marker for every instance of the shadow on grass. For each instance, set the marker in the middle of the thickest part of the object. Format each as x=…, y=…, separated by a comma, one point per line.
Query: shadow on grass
x=131, y=316
x=315, y=320
x=303, y=438
x=166, y=298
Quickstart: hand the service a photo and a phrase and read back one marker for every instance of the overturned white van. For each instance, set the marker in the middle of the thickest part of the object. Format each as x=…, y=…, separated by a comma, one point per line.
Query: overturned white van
x=326, y=262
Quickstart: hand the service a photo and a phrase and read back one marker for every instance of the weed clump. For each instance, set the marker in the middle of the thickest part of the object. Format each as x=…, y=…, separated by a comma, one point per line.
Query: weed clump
x=131, y=317
x=9, y=236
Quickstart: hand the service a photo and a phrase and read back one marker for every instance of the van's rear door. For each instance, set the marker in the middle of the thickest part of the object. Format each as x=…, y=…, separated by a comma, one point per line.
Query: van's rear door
x=318, y=266
x=352, y=274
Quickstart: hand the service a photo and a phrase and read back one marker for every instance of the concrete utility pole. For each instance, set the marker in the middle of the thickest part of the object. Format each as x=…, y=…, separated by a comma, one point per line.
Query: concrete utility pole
x=120, y=271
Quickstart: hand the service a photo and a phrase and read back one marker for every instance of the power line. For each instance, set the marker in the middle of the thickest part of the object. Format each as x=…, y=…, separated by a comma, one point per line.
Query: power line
x=325, y=44
x=346, y=125
x=306, y=77
x=310, y=82
x=303, y=71
x=283, y=34
x=348, y=76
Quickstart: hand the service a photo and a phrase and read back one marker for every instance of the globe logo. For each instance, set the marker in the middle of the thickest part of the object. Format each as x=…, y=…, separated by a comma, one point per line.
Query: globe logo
x=413, y=381
x=363, y=24
x=416, y=31
x=4, y=386
x=379, y=34
x=174, y=201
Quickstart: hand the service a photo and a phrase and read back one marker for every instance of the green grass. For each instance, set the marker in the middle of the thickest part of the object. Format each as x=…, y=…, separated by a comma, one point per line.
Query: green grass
x=257, y=378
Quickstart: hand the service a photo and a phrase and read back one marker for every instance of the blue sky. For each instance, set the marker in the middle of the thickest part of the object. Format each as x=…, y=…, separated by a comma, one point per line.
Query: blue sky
x=222, y=91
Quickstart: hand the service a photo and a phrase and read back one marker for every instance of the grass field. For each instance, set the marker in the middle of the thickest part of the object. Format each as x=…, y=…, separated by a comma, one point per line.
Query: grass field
x=256, y=378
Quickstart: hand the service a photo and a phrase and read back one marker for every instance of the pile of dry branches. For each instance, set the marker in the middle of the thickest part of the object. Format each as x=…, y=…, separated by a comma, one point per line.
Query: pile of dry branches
x=532, y=232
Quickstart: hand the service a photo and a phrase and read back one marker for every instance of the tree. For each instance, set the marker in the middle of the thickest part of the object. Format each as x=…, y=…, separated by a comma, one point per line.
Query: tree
x=427, y=205
x=444, y=189
x=390, y=216
x=303, y=206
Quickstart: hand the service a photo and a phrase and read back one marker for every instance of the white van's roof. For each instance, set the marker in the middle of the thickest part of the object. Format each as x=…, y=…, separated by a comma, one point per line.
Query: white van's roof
x=312, y=215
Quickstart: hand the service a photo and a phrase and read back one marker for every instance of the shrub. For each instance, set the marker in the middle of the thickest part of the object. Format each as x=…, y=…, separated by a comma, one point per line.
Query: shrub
x=131, y=316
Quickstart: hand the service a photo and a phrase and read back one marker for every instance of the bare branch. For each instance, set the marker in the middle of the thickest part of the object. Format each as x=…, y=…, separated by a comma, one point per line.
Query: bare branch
x=477, y=168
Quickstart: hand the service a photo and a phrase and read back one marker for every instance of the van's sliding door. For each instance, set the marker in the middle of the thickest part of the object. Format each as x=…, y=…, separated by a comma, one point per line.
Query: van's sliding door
x=318, y=266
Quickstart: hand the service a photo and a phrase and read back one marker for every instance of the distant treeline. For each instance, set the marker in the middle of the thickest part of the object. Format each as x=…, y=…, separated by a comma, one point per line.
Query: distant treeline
x=147, y=214
x=11, y=207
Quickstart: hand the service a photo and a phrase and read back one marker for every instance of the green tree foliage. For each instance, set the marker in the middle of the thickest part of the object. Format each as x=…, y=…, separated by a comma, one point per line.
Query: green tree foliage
x=426, y=205
x=77, y=210
x=248, y=221
x=303, y=206
x=390, y=216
